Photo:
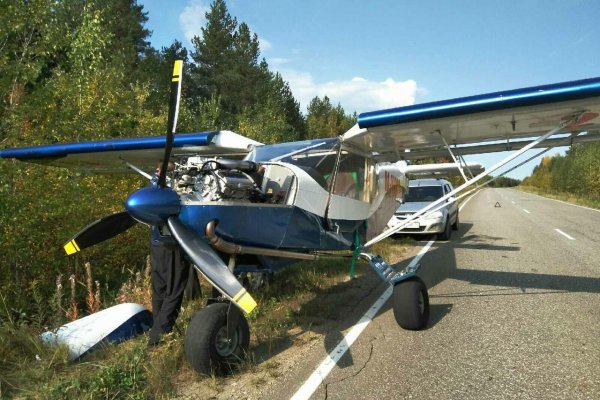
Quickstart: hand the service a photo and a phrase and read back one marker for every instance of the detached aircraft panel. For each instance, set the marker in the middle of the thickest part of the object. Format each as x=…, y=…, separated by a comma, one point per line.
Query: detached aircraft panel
x=521, y=113
x=107, y=156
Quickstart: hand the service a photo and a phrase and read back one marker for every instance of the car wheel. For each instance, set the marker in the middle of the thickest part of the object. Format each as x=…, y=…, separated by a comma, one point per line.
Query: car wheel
x=455, y=224
x=445, y=235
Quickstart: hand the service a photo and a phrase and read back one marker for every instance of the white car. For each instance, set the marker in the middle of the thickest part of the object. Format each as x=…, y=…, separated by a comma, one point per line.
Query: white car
x=421, y=193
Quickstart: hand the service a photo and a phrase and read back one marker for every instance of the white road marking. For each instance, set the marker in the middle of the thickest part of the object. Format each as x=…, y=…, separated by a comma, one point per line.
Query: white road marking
x=526, y=211
x=564, y=202
x=564, y=234
x=319, y=375
x=467, y=200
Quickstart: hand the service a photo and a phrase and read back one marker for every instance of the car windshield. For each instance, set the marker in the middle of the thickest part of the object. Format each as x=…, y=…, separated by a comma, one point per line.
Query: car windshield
x=423, y=193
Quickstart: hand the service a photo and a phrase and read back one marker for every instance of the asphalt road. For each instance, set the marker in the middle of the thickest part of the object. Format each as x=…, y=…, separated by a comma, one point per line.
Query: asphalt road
x=515, y=313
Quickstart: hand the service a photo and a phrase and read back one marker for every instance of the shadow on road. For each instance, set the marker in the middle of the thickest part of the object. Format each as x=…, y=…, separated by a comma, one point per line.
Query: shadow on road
x=334, y=310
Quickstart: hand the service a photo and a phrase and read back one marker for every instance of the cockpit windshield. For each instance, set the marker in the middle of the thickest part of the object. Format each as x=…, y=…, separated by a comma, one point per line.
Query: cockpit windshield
x=423, y=193
x=275, y=152
x=355, y=176
x=318, y=160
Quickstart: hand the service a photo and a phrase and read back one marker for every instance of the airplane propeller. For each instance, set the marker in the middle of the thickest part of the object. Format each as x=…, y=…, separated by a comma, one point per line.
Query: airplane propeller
x=99, y=231
x=159, y=205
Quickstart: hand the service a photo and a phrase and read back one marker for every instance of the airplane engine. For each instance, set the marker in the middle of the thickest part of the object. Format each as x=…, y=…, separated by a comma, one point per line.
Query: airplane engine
x=225, y=185
x=207, y=181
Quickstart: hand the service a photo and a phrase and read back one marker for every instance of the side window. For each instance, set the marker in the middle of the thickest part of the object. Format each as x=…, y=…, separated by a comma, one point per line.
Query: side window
x=354, y=177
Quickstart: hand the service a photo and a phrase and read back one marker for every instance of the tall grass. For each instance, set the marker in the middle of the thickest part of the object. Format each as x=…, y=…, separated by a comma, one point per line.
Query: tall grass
x=299, y=299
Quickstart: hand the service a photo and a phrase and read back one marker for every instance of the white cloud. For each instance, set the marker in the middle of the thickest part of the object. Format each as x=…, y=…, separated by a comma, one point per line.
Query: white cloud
x=265, y=45
x=357, y=94
x=193, y=18
x=277, y=61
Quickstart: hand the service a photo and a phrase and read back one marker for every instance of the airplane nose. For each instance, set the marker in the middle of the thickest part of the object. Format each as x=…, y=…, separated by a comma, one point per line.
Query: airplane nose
x=153, y=205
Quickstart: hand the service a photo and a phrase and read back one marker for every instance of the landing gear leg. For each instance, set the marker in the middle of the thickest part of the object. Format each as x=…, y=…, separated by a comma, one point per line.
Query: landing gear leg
x=410, y=298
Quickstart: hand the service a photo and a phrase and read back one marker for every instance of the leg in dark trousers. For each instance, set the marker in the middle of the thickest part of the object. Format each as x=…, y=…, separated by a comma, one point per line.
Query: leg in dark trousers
x=169, y=278
x=192, y=289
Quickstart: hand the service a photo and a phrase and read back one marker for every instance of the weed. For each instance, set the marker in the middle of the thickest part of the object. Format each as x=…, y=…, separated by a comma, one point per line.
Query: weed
x=137, y=288
x=258, y=381
x=73, y=310
x=58, y=311
x=272, y=368
x=93, y=298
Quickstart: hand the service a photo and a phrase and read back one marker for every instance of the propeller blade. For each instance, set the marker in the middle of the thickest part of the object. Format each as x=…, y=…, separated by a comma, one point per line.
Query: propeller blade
x=99, y=231
x=211, y=265
x=172, y=121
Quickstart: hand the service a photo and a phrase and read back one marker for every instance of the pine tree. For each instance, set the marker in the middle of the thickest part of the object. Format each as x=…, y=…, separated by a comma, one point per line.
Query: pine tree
x=213, y=56
x=325, y=120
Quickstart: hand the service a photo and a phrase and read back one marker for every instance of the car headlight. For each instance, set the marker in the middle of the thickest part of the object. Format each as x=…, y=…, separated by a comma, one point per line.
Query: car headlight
x=436, y=215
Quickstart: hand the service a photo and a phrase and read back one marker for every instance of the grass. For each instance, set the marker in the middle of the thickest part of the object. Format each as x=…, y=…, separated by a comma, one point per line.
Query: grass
x=291, y=311
x=568, y=197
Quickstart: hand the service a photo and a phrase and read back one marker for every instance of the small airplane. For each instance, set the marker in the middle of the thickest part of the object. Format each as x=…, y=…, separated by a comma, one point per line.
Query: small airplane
x=235, y=205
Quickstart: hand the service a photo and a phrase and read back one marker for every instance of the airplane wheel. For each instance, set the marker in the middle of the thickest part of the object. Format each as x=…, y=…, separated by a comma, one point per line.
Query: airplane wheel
x=446, y=234
x=208, y=346
x=411, y=304
x=455, y=224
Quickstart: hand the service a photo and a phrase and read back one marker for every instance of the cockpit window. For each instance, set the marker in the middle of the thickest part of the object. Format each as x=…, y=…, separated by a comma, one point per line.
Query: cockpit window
x=423, y=193
x=318, y=160
x=351, y=176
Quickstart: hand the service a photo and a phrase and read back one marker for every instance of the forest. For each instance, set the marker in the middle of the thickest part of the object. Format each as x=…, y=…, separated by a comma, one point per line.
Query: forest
x=78, y=70
x=576, y=174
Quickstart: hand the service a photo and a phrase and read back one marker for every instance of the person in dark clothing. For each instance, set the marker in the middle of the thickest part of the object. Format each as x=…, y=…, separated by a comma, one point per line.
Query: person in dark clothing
x=171, y=276
x=192, y=288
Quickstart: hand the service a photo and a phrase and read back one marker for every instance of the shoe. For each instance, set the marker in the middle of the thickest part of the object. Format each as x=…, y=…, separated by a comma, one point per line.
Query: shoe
x=154, y=339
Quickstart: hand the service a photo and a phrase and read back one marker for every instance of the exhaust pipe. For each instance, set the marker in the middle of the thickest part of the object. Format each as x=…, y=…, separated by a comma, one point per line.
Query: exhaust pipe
x=232, y=248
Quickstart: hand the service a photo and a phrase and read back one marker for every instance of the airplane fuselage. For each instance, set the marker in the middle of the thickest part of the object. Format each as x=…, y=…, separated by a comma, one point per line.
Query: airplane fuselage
x=315, y=196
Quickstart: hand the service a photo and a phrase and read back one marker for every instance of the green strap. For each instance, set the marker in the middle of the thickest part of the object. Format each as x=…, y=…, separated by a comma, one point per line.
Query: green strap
x=355, y=254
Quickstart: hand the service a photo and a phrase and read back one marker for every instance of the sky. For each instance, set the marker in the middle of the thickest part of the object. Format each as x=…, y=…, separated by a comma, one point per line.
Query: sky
x=370, y=55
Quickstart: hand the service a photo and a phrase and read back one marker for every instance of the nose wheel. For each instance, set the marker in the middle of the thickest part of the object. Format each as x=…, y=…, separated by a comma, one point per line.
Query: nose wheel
x=411, y=304
x=217, y=339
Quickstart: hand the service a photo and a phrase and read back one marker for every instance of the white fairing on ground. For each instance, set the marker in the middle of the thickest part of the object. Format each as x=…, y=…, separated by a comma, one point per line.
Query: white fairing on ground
x=113, y=324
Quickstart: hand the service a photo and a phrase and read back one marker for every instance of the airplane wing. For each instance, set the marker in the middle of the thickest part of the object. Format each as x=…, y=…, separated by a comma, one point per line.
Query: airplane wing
x=496, y=122
x=438, y=170
x=109, y=156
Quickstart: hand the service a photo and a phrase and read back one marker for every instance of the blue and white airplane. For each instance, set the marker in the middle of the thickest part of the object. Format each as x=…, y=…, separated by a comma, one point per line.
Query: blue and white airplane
x=235, y=205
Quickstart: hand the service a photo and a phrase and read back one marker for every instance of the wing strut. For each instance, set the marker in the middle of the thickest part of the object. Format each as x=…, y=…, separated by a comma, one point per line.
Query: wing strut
x=464, y=163
x=439, y=207
x=458, y=163
x=470, y=182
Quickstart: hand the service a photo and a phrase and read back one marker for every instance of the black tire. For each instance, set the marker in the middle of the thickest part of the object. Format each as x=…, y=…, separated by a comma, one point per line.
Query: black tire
x=411, y=304
x=206, y=343
x=445, y=235
x=455, y=224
